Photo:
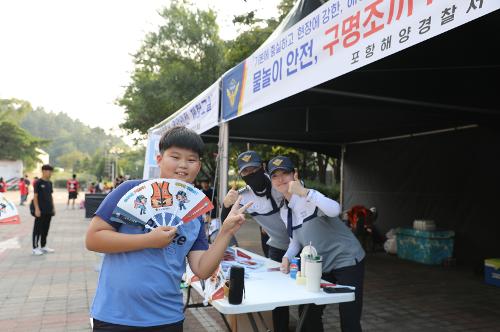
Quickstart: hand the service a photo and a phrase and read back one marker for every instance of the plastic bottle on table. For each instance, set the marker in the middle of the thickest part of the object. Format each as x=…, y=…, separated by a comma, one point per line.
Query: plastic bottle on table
x=294, y=267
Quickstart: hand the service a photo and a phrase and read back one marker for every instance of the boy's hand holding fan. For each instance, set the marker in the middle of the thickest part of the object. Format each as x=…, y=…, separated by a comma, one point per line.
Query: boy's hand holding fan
x=161, y=237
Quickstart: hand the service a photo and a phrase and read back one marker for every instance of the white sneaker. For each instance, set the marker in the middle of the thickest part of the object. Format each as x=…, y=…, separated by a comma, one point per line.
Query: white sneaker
x=47, y=250
x=37, y=252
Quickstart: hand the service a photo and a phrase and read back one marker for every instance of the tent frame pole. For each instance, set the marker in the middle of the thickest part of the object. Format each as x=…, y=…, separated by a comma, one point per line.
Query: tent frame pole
x=224, y=161
x=342, y=179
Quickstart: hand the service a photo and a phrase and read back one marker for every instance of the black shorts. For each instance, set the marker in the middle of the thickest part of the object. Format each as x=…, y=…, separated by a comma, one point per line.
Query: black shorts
x=72, y=195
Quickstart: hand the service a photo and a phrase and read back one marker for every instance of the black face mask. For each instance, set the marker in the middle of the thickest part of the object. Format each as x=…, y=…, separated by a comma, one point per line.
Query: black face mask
x=258, y=181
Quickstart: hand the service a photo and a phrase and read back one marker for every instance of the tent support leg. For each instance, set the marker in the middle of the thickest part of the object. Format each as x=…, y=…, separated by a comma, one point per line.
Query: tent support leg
x=223, y=159
x=342, y=156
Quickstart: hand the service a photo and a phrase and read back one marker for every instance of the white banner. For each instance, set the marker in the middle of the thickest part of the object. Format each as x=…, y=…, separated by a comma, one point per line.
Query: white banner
x=151, y=170
x=339, y=37
x=200, y=115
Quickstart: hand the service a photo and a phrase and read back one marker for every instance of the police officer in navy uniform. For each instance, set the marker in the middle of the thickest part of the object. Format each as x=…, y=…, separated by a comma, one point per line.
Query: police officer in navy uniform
x=311, y=217
x=265, y=211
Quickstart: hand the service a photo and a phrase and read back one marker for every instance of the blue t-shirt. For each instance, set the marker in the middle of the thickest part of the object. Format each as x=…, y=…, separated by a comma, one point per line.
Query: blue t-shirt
x=142, y=288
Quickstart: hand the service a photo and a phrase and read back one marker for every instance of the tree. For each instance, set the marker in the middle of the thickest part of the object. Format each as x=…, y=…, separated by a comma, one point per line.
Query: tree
x=183, y=58
x=322, y=165
x=245, y=44
x=17, y=144
x=174, y=64
x=67, y=135
x=72, y=160
x=14, y=110
x=209, y=161
x=132, y=162
x=95, y=165
x=284, y=8
x=255, y=32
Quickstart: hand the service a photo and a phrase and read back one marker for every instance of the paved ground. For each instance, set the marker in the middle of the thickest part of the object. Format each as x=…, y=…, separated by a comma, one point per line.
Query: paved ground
x=53, y=292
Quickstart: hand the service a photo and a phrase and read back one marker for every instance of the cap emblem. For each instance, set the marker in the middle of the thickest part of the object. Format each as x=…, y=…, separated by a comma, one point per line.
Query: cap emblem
x=246, y=158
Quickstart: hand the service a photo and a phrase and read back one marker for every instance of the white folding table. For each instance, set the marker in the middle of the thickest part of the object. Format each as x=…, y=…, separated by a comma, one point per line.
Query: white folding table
x=271, y=289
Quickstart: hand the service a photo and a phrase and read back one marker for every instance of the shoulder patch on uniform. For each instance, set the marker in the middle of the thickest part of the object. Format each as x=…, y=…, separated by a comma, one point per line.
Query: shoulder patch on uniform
x=243, y=190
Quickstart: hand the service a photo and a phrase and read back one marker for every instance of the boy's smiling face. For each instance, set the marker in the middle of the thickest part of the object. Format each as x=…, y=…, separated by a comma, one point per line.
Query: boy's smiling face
x=179, y=163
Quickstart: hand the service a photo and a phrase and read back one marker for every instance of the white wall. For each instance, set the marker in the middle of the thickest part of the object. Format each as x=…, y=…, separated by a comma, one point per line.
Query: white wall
x=11, y=169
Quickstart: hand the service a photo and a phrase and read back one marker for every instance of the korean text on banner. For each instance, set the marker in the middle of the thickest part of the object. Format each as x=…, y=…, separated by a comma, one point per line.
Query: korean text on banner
x=200, y=115
x=339, y=37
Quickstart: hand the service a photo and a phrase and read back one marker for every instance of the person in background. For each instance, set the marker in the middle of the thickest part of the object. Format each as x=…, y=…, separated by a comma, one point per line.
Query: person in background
x=73, y=186
x=312, y=218
x=44, y=211
x=211, y=193
x=99, y=187
x=212, y=223
x=91, y=188
x=361, y=221
x=119, y=180
x=23, y=190
x=27, y=182
x=3, y=185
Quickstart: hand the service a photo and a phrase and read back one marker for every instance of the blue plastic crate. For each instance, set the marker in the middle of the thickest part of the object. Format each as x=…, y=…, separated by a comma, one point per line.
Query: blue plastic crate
x=492, y=271
x=428, y=247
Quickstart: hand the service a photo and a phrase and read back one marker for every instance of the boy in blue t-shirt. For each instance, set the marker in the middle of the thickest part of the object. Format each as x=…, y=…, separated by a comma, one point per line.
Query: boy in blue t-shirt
x=138, y=287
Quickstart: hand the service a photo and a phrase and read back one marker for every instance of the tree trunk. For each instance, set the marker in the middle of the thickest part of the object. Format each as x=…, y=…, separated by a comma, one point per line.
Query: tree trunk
x=304, y=174
x=322, y=164
x=336, y=170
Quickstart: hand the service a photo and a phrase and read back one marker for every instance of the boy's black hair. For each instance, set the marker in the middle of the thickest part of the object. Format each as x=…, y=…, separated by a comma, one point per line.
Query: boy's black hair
x=47, y=167
x=74, y=176
x=181, y=137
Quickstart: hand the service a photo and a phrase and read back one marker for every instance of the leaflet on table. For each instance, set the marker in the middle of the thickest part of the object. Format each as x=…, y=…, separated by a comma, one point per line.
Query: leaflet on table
x=213, y=287
x=236, y=257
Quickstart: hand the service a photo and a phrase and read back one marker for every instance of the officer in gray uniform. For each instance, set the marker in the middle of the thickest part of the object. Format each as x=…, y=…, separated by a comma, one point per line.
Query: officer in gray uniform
x=311, y=217
x=265, y=211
